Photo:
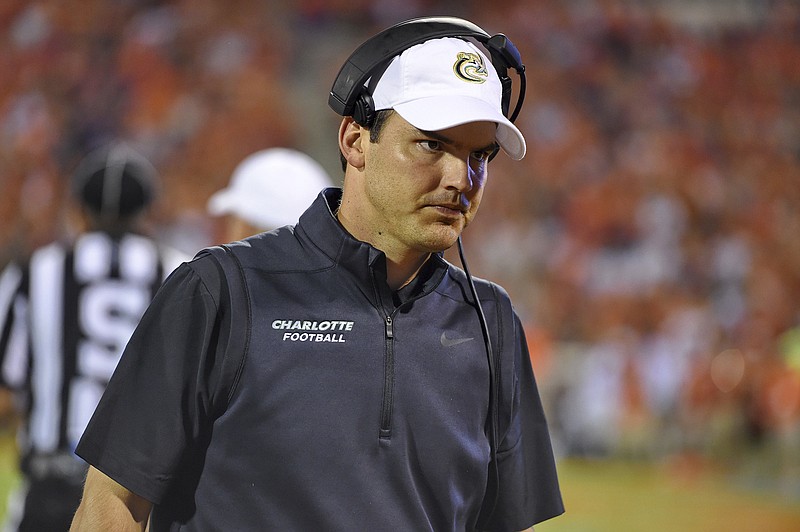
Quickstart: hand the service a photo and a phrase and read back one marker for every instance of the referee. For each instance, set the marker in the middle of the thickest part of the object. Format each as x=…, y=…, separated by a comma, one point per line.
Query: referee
x=65, y=317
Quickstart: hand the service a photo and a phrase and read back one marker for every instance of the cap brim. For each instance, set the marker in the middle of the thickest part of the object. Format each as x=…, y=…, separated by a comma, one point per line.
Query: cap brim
x=259, y=209
x=441, y=112
x=221, y=202
x=230, y=201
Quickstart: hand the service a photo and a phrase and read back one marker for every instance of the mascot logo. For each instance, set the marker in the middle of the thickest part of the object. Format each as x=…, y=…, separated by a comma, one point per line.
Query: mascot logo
x=470, y=67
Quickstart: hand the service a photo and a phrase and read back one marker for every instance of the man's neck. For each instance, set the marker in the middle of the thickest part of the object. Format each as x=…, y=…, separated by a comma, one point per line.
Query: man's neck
x=400, y=274
x=402, y=265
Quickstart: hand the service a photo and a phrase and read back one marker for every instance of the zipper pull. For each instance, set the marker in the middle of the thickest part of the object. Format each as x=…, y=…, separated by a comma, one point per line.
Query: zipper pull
x=389, y=331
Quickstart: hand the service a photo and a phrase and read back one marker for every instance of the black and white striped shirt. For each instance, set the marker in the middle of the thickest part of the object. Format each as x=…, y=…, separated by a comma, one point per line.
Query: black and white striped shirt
x=65, y=318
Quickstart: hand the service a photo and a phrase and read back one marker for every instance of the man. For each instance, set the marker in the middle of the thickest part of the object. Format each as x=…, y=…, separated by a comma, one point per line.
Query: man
x=360, y=398
x=268, y=189
x=65, y=318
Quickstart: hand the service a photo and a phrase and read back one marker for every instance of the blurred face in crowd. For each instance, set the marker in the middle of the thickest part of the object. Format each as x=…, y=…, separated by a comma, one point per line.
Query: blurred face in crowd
x=412, y=191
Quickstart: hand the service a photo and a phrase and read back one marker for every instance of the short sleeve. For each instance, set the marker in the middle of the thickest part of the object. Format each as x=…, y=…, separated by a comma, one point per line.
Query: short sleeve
x=529, y=492
x=156, y=411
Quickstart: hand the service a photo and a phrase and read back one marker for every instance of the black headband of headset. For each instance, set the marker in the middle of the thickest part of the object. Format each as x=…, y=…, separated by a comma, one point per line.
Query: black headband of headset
x=359, y=67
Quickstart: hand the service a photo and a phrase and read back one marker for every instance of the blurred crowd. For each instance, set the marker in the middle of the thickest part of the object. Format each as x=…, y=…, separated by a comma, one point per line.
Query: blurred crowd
x=650, y=239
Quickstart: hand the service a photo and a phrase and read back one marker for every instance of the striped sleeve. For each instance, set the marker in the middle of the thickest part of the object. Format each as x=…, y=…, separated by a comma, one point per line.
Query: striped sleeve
x=13, y=336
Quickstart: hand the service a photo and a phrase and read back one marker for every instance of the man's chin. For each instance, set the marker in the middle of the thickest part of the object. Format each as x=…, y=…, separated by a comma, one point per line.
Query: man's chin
x=440, y=240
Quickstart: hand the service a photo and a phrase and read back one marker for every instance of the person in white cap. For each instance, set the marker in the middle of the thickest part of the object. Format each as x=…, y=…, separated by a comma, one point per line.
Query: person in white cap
x=268, y=189
x=340, y=374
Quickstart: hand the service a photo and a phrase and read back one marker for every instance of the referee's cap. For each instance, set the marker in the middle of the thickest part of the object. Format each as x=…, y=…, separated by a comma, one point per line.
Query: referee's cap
x=115, y=182
x=271, y=188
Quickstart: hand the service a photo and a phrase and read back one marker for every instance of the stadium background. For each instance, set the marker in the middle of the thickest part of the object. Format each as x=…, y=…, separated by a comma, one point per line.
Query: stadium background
x=649, y=238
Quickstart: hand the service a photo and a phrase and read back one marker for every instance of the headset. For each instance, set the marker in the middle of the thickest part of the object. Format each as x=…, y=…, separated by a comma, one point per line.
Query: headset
x=351, y=95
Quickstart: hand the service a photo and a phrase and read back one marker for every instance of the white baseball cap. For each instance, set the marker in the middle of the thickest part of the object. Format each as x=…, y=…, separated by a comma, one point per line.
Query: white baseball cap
x=444, y=83
x=271, y=188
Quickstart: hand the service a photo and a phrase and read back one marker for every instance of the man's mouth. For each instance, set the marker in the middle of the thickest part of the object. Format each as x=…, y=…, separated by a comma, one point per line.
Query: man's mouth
x=450, y=209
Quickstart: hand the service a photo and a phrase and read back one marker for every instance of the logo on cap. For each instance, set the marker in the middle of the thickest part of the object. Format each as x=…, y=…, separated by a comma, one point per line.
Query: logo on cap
x=470, y=67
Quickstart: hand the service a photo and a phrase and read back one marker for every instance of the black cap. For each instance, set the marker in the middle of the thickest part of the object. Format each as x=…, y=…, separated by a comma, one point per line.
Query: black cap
x=115, y=182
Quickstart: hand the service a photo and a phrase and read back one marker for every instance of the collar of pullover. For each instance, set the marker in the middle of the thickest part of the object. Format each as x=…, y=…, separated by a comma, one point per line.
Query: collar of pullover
x=320, y=225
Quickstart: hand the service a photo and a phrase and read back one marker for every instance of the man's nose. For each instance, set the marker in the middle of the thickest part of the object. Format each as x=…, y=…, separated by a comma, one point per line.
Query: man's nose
x=458, y=173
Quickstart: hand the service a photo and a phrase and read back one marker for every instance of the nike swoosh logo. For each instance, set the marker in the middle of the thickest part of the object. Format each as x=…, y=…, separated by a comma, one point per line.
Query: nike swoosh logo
x=450, y=342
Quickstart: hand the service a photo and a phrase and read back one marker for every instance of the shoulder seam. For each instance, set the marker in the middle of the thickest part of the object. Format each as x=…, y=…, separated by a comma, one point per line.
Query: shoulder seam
x=248, y=324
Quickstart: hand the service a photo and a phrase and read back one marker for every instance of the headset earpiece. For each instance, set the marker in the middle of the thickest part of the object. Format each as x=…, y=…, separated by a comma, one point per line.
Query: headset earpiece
x=364, y=110
x=504, y=56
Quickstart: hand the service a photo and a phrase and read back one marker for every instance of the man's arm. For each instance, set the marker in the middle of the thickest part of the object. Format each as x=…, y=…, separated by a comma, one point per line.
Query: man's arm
x=106, y=505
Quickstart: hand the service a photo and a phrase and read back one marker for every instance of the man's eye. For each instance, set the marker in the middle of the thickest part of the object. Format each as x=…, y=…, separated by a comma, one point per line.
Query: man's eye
x=431, y=145
x=483, y=155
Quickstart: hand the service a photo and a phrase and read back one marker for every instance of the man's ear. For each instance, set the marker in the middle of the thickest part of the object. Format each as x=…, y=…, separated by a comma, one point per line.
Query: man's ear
x=351, y=136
